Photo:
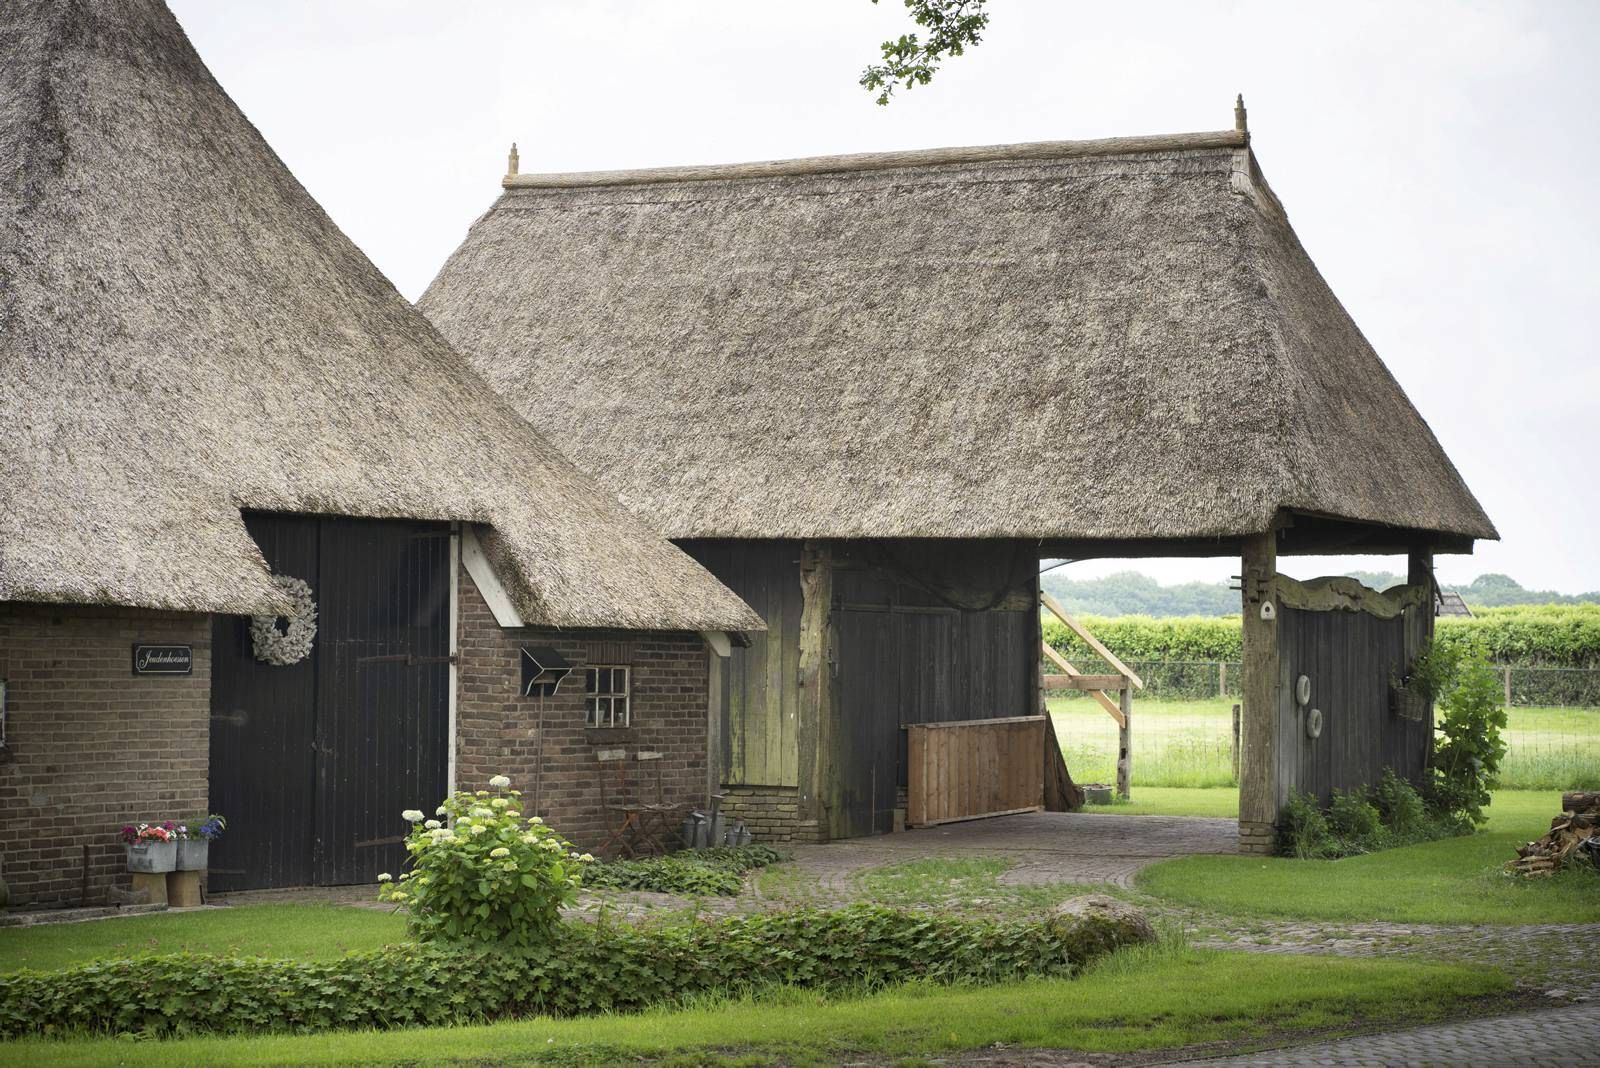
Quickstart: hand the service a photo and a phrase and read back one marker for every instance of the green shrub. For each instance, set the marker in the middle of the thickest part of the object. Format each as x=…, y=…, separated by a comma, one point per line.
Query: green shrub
x=1303, y=829
x=1399, y=805
x=1353, y=819
x=1466, y=759
x=490, y=876
x=1361, y=821
x=693, y=872
x=579, y=969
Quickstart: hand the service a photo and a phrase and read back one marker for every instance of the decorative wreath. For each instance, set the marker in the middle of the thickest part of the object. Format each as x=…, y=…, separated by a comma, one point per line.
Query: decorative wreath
x=292, y=644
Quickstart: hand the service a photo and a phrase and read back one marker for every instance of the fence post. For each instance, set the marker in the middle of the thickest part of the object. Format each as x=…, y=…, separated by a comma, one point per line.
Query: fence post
x=1507, y=670
x=1222, y=678
x=1235, y=750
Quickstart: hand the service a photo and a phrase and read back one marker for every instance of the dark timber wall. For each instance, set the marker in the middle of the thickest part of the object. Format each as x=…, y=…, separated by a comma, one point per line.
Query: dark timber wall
x=1350, y=658
x=918, y=631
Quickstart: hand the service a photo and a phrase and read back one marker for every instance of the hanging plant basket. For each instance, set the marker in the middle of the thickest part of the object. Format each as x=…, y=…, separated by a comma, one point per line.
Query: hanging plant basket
x=1409, y=702
x=290, y=644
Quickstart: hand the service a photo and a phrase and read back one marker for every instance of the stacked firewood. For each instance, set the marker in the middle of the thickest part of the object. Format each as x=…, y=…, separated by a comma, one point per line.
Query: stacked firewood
x=1564, y=844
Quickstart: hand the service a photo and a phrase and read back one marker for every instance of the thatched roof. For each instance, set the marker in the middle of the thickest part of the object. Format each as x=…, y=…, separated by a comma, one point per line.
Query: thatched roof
x=184, y=334
x=1079, y=340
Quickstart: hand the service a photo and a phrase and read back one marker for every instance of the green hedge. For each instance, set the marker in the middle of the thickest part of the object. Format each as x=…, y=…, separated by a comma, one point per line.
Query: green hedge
x=1565, y=636
x=585, y=969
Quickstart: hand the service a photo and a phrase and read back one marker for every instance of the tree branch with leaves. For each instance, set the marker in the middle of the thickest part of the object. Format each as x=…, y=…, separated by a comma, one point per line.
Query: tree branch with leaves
x=953, y=26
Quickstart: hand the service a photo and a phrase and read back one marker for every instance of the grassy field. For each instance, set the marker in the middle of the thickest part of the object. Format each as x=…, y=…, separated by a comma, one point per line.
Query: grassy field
x=305, y=932
x=1187, y=744
x=1142, y=999
x=1458, y=880
x=1175, y=801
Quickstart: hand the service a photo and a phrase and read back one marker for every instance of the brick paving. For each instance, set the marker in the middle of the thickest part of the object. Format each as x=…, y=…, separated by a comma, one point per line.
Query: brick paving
x=1552, y=1038
x=1044, y=847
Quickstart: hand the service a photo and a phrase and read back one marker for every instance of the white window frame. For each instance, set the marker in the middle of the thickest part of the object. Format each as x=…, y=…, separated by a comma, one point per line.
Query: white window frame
x=612, y=707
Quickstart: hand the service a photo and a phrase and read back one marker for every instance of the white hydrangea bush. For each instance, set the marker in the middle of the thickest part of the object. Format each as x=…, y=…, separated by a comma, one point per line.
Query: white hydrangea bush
x=482, y=872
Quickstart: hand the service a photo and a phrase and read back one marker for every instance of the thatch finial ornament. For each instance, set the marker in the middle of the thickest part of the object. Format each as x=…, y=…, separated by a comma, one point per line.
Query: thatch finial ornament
x=1239, y=122
x=512, y=160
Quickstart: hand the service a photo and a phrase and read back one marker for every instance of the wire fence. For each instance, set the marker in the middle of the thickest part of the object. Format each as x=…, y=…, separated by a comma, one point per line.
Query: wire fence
x=1183, y=727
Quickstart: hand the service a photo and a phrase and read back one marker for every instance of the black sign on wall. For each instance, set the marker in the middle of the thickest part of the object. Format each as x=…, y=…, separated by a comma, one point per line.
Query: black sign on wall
x=163, y=659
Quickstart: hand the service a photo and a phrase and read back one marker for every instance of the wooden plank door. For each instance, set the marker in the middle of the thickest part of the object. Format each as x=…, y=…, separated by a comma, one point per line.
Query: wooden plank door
x=313, y=763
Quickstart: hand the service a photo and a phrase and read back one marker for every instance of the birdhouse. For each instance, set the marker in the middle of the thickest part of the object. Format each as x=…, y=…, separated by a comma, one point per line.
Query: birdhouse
x=543, y=669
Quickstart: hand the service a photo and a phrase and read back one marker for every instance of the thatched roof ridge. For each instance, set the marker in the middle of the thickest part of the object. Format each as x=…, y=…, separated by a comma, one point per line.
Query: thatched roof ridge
x=880, y=161
x=1093, y=340
x=184, y=333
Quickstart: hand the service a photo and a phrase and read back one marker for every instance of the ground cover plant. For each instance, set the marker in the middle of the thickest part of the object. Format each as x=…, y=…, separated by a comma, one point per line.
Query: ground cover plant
x=1454, y=880
x=1148, y=998
x=692, y=872
x=577, y=969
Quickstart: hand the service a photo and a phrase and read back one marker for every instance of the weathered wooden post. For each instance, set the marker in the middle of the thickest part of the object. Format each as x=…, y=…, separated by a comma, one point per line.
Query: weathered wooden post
x=1235, y=745
x=815, y=727
x=1125, y=741
x=1258, y=786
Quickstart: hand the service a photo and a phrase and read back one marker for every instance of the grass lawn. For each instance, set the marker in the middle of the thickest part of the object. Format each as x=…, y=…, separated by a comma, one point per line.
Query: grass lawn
x=1174, y=801
x=307, y=932
x=1149, y=998
x=1458, y=880
x=1187, y=744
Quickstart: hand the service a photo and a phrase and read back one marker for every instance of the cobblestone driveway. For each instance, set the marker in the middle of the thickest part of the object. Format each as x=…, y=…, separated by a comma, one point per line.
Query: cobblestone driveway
x=1555, y=1038
x=1044, y=847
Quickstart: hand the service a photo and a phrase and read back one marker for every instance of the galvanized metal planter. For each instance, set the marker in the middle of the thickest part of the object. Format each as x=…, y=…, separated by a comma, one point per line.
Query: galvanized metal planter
x=193, y=854
x=152, y=857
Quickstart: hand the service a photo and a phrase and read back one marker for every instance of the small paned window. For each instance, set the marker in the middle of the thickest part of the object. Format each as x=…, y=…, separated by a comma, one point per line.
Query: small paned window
x=605, y=696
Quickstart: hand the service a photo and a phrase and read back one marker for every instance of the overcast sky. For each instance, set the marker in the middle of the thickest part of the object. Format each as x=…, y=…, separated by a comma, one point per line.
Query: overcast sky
x=1439, y=161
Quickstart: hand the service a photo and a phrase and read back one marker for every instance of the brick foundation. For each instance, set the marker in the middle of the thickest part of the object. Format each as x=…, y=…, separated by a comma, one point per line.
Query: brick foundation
x=770, y=813
x=498, y=730
x=1257, y=838
x=90, y=746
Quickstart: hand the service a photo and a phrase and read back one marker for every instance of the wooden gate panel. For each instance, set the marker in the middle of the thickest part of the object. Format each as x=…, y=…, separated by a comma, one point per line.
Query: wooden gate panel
x=966, y=769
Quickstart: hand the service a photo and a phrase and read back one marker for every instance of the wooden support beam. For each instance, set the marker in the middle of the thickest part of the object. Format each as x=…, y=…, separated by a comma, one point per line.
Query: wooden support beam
x=1089, y=639
x=1099, y=695
x=1085, y=682
x=1125, y=747
x=1259, y=684
x=819, y=771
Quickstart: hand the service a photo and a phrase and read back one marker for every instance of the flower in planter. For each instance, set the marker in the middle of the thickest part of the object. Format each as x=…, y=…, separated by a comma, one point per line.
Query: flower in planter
x=500, y=782
x=386, y=878
x=209, y=829
x=146, y=832
x=412, y=815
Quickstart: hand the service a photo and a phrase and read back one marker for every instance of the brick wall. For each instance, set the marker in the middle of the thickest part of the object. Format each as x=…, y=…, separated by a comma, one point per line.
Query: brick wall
x=498, y=731
x=90, y=746
x=770, y=813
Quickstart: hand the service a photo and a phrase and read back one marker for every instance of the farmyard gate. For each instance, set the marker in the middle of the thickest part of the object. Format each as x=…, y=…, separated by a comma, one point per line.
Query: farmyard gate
x=313, y=762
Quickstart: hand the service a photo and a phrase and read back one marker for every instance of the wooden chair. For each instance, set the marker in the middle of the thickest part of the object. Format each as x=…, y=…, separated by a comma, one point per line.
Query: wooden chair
x=640, y=824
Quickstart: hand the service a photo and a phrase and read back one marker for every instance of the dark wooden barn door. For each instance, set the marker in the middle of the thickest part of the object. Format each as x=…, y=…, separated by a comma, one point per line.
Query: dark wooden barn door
x=904, y=658
x=312, y=763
